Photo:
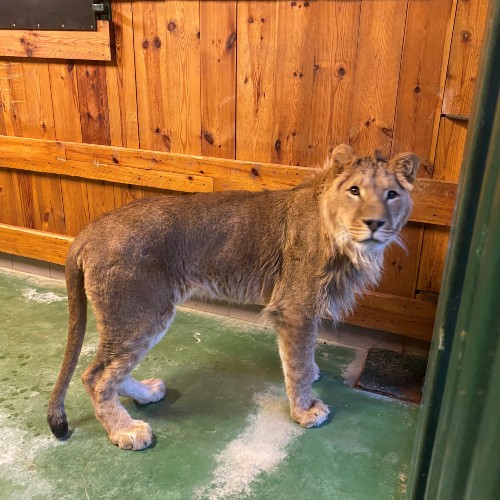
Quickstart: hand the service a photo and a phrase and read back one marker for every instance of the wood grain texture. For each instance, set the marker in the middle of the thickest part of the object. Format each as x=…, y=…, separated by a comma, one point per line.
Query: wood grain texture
x=167, y=60
x=182, y=87
x=410, y=317
x=419, y=85
x=335, y=54
x=34, y=244
x=218, y=78
x=84, y=161
x=376, y=77
x=433, y=200
x=126, y=193
x=89, y=45
x=256, y=65
x=25, y=88
x=64, y=85
x=293, y=83
x=468, y=34
x=121, y=85
x=151, y=66
x=94, y=119
x=467, y=39
x=447, y=165
x=8, y=212
x=401, y=264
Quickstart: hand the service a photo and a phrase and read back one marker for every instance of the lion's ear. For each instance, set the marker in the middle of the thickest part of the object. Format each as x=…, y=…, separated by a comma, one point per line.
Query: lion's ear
x=341, y=155
x=405, y=166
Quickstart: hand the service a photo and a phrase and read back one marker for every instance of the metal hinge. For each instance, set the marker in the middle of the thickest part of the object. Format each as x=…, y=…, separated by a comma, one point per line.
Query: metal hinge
x=102, y=10
x=451, y=116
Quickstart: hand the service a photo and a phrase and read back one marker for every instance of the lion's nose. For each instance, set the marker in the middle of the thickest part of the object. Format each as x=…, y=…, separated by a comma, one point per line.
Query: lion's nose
x=374, y=224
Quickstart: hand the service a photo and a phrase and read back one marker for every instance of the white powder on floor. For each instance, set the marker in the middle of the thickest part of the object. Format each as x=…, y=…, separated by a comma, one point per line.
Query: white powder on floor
x=18, y=460
x=259, y=448
x=41, y=298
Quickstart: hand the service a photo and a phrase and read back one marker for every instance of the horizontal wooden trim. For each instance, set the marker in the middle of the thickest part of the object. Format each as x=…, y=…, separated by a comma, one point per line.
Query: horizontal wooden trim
x=51, y=157
x=88, y=45
x=410, y=317
x=433, y=200
x=34, y=244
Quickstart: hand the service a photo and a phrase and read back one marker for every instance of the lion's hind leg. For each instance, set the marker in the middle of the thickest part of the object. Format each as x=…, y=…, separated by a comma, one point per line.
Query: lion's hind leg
x=109, y=376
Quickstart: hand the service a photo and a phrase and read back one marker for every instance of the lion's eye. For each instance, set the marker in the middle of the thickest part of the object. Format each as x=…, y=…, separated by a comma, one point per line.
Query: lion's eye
x=392, y=194
x=354, y=190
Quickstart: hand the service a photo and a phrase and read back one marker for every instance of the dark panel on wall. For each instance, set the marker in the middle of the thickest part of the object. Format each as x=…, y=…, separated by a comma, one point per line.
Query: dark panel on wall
x=44, y=15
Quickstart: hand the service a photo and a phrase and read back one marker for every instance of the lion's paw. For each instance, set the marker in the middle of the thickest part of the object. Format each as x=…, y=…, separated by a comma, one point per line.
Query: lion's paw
x=154, y=390
x=315, y=416
x=135, y=437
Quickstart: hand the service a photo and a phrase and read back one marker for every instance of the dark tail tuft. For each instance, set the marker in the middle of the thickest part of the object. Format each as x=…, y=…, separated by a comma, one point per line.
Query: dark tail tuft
x=58, y=425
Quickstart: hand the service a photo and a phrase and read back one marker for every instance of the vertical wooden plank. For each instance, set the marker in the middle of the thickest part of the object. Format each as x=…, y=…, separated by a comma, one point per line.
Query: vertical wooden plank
x=419, y=85
x=276, y=70
x=336, y=30
x=121, y=85
x=182, y=89
x=66, y=111
x=256, y=66
x=64, y=86
x=468, y=34
x=125, y=194
x=167, y=59
x=151, y=65
x=49, y=208
x=101, y=198
x=93, y=104
x=8, y=212
x=467, y=40
x=12, y=96
x=121, y=88
x=293, y=81
x=218, y=77
x=376, y=78
x=94, y=119
x=418, y=96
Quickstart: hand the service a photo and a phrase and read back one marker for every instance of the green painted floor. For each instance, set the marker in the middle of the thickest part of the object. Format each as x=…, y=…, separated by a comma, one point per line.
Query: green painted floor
x=222, y=432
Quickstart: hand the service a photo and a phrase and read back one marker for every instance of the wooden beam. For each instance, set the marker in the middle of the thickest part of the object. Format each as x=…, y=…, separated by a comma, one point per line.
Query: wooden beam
x=410, y=317
x=51, y=157
x=433, y=200
x=89, y=45
x=34, y=244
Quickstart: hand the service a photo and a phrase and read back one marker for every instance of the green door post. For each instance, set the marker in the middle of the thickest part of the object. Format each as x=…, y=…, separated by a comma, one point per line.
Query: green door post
x=457, y=450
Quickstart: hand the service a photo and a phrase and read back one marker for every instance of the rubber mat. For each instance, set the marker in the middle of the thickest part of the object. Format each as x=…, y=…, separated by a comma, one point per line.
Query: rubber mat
x=392, y=374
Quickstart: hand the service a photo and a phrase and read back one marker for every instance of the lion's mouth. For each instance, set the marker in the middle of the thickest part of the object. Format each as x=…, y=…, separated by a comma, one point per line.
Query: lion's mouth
x=372, y=240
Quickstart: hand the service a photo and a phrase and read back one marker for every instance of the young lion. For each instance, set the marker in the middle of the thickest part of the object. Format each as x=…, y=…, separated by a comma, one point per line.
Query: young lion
x=305, y=252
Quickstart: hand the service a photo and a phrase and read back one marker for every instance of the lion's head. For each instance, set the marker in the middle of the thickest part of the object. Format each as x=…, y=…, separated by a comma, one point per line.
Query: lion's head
x=368, y=201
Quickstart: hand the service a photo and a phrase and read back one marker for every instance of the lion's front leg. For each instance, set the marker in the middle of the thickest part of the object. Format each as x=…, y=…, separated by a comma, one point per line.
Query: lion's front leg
x=296, y=346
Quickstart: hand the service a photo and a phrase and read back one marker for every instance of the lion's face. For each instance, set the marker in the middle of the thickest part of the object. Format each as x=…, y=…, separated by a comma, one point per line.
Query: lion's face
x=369, y=202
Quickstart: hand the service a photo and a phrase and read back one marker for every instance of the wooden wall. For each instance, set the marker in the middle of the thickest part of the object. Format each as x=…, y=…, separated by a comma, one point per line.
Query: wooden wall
x=266, y=81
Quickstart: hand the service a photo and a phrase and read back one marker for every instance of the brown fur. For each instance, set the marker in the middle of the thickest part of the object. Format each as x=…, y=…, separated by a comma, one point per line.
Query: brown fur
x=299, y=251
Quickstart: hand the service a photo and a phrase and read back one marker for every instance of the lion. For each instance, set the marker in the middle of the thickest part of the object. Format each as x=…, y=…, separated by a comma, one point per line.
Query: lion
x=305, y=253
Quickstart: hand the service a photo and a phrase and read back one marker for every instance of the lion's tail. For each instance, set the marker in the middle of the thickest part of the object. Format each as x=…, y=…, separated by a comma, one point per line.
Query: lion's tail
x=77, y=302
